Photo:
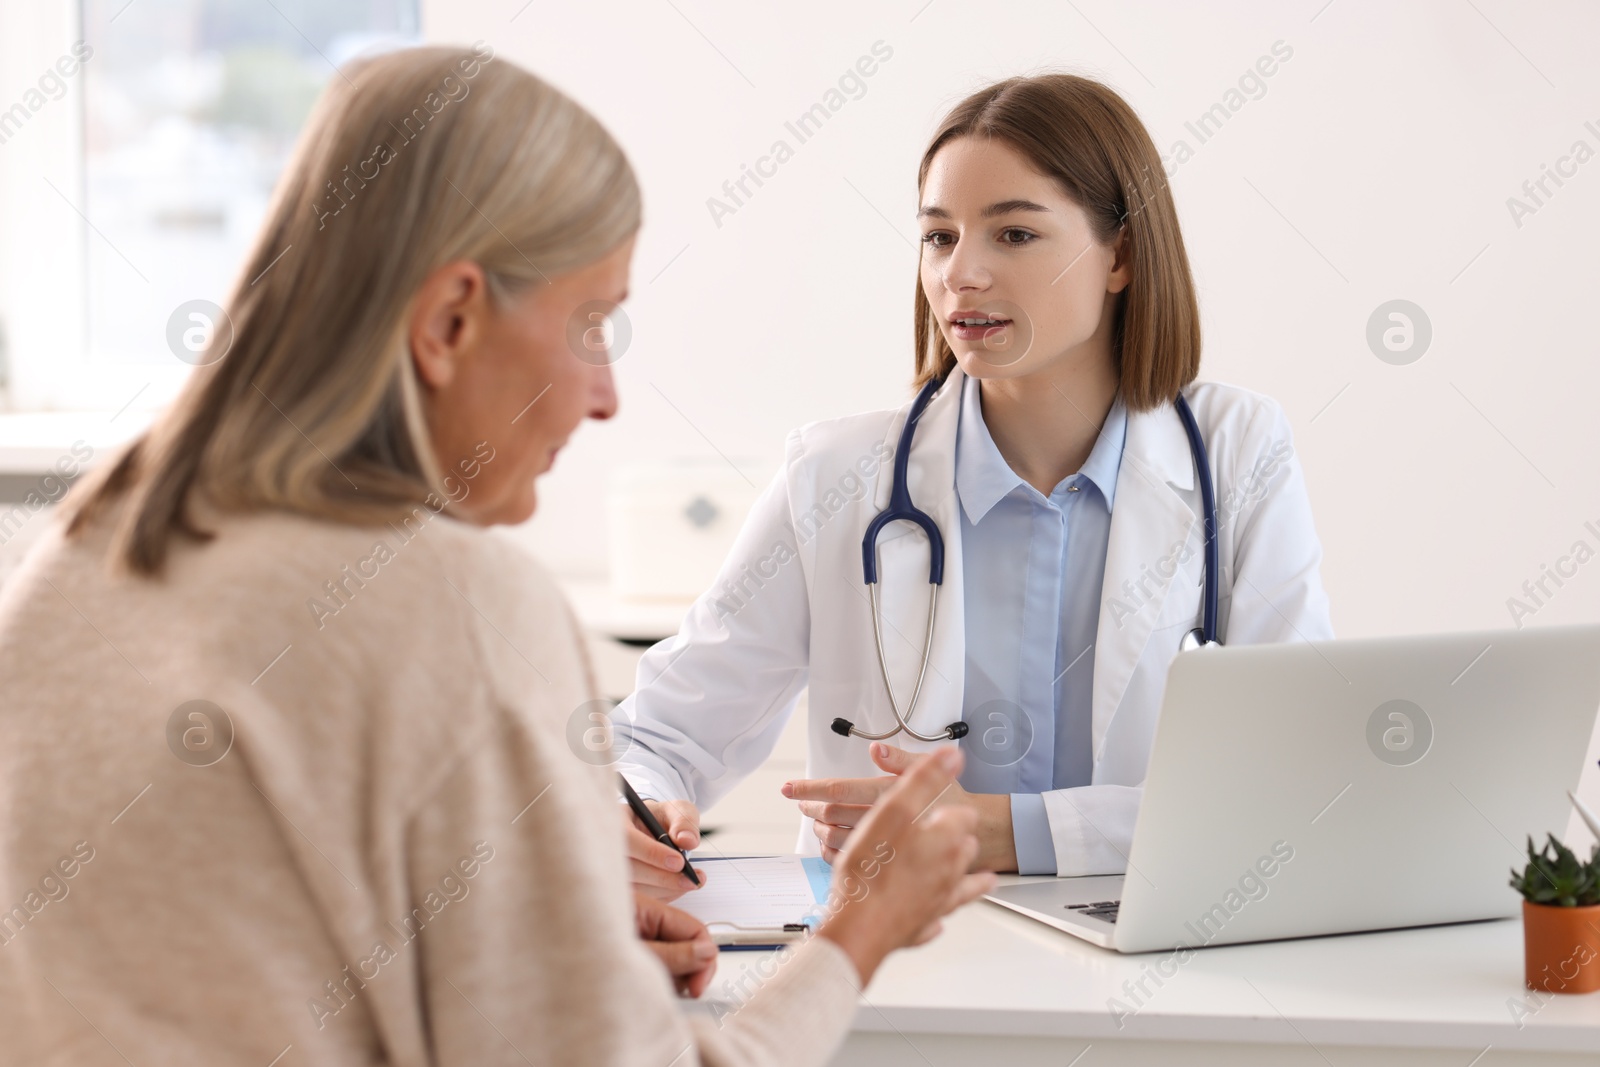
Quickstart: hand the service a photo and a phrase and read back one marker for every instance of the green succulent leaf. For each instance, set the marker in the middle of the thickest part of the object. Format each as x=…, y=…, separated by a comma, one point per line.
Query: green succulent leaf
x=1556, y=876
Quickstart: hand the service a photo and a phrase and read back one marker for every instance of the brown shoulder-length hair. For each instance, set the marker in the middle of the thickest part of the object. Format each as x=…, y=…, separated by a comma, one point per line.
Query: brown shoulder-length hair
x=411, y=160
x=1092, y=143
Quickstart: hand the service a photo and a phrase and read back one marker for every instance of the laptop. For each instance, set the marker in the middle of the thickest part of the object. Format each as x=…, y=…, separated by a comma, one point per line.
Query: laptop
x=1303, y=789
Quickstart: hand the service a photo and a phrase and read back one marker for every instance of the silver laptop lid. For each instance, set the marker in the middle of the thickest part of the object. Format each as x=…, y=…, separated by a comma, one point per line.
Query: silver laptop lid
x=1304, y=789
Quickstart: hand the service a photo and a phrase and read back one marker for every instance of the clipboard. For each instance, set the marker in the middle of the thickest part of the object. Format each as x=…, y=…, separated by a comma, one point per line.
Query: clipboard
x=759, y=902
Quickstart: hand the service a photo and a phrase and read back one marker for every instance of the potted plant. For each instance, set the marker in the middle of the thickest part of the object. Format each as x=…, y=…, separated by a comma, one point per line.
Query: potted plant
x=1560, y=918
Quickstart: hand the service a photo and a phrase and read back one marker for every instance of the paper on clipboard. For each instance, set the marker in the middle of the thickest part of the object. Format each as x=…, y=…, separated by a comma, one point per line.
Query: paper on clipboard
x=751, y=899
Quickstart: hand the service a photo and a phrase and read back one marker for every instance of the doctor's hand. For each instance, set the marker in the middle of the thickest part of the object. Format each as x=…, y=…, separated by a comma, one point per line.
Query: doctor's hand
x=656, y=869
x=905, y=866
x=839, y=804
x=680, y=941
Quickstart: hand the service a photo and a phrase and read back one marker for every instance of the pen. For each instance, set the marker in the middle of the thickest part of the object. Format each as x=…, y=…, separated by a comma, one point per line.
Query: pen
x=752, y=937
x=653, y=828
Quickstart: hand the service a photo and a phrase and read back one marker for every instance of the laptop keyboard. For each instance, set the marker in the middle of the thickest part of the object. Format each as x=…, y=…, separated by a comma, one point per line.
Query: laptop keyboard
x=1100, y=909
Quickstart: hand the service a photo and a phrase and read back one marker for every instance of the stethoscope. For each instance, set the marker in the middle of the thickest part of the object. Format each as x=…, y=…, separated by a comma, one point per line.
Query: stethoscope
x=901, y=509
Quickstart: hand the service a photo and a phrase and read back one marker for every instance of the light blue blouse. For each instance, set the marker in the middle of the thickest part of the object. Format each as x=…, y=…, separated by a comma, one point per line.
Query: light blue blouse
x=1032, y=571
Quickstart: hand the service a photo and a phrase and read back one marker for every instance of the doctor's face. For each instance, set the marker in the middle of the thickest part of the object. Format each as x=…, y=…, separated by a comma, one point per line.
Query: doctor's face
x=1010, y=265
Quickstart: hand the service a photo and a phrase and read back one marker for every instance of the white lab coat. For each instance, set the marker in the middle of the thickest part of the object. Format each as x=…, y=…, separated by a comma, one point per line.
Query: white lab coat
x=789, y=609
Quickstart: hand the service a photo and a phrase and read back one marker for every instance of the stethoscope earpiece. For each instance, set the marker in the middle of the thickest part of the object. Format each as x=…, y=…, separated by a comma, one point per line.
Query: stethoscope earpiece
x=954, y=732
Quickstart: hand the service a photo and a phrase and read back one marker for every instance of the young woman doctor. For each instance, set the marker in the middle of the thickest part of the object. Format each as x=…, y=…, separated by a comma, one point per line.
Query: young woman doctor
x=1064, y=460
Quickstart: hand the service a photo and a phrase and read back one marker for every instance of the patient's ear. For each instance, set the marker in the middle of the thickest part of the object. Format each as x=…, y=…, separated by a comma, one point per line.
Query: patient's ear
x=448, y=320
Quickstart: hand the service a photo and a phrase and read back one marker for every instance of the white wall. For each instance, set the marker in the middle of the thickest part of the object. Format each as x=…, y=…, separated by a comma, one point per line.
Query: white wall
x=1377, y=165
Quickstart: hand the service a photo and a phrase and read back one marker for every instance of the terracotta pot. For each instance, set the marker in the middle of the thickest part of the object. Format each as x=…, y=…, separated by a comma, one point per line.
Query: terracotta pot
x=1562, y=946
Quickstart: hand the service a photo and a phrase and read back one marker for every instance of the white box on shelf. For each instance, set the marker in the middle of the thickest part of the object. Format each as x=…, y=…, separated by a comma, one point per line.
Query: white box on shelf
x=673, y=522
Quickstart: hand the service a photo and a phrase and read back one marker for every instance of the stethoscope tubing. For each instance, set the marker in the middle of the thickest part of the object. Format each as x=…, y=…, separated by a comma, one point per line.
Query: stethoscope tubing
x=1208, y=506
x=901, y=508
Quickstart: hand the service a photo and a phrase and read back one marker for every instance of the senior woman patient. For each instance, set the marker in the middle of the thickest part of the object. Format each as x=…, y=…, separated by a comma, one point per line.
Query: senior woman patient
x=283, y=768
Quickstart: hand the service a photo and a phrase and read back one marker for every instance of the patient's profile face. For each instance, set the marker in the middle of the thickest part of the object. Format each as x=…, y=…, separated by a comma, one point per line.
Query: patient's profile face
x=505, y=387
x=1003, y=240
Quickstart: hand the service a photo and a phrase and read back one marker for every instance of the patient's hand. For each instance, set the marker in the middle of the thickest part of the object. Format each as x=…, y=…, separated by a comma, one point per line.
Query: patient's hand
x=679, y=940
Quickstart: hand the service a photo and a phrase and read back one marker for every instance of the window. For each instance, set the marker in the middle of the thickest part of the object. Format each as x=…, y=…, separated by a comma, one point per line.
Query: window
x=186, y=112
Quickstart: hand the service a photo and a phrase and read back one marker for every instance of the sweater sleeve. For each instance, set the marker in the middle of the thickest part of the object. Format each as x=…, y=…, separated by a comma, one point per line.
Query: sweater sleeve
x=515, y=868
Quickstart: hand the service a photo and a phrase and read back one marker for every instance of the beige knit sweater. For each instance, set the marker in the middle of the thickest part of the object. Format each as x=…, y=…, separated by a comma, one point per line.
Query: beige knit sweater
x=399, y=858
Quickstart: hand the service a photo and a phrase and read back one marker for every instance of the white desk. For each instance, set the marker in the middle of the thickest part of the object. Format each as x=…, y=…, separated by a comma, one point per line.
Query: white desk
x=997, y=987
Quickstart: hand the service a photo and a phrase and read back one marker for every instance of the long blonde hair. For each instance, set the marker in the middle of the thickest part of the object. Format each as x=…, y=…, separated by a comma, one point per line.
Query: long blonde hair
x=411, y=160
